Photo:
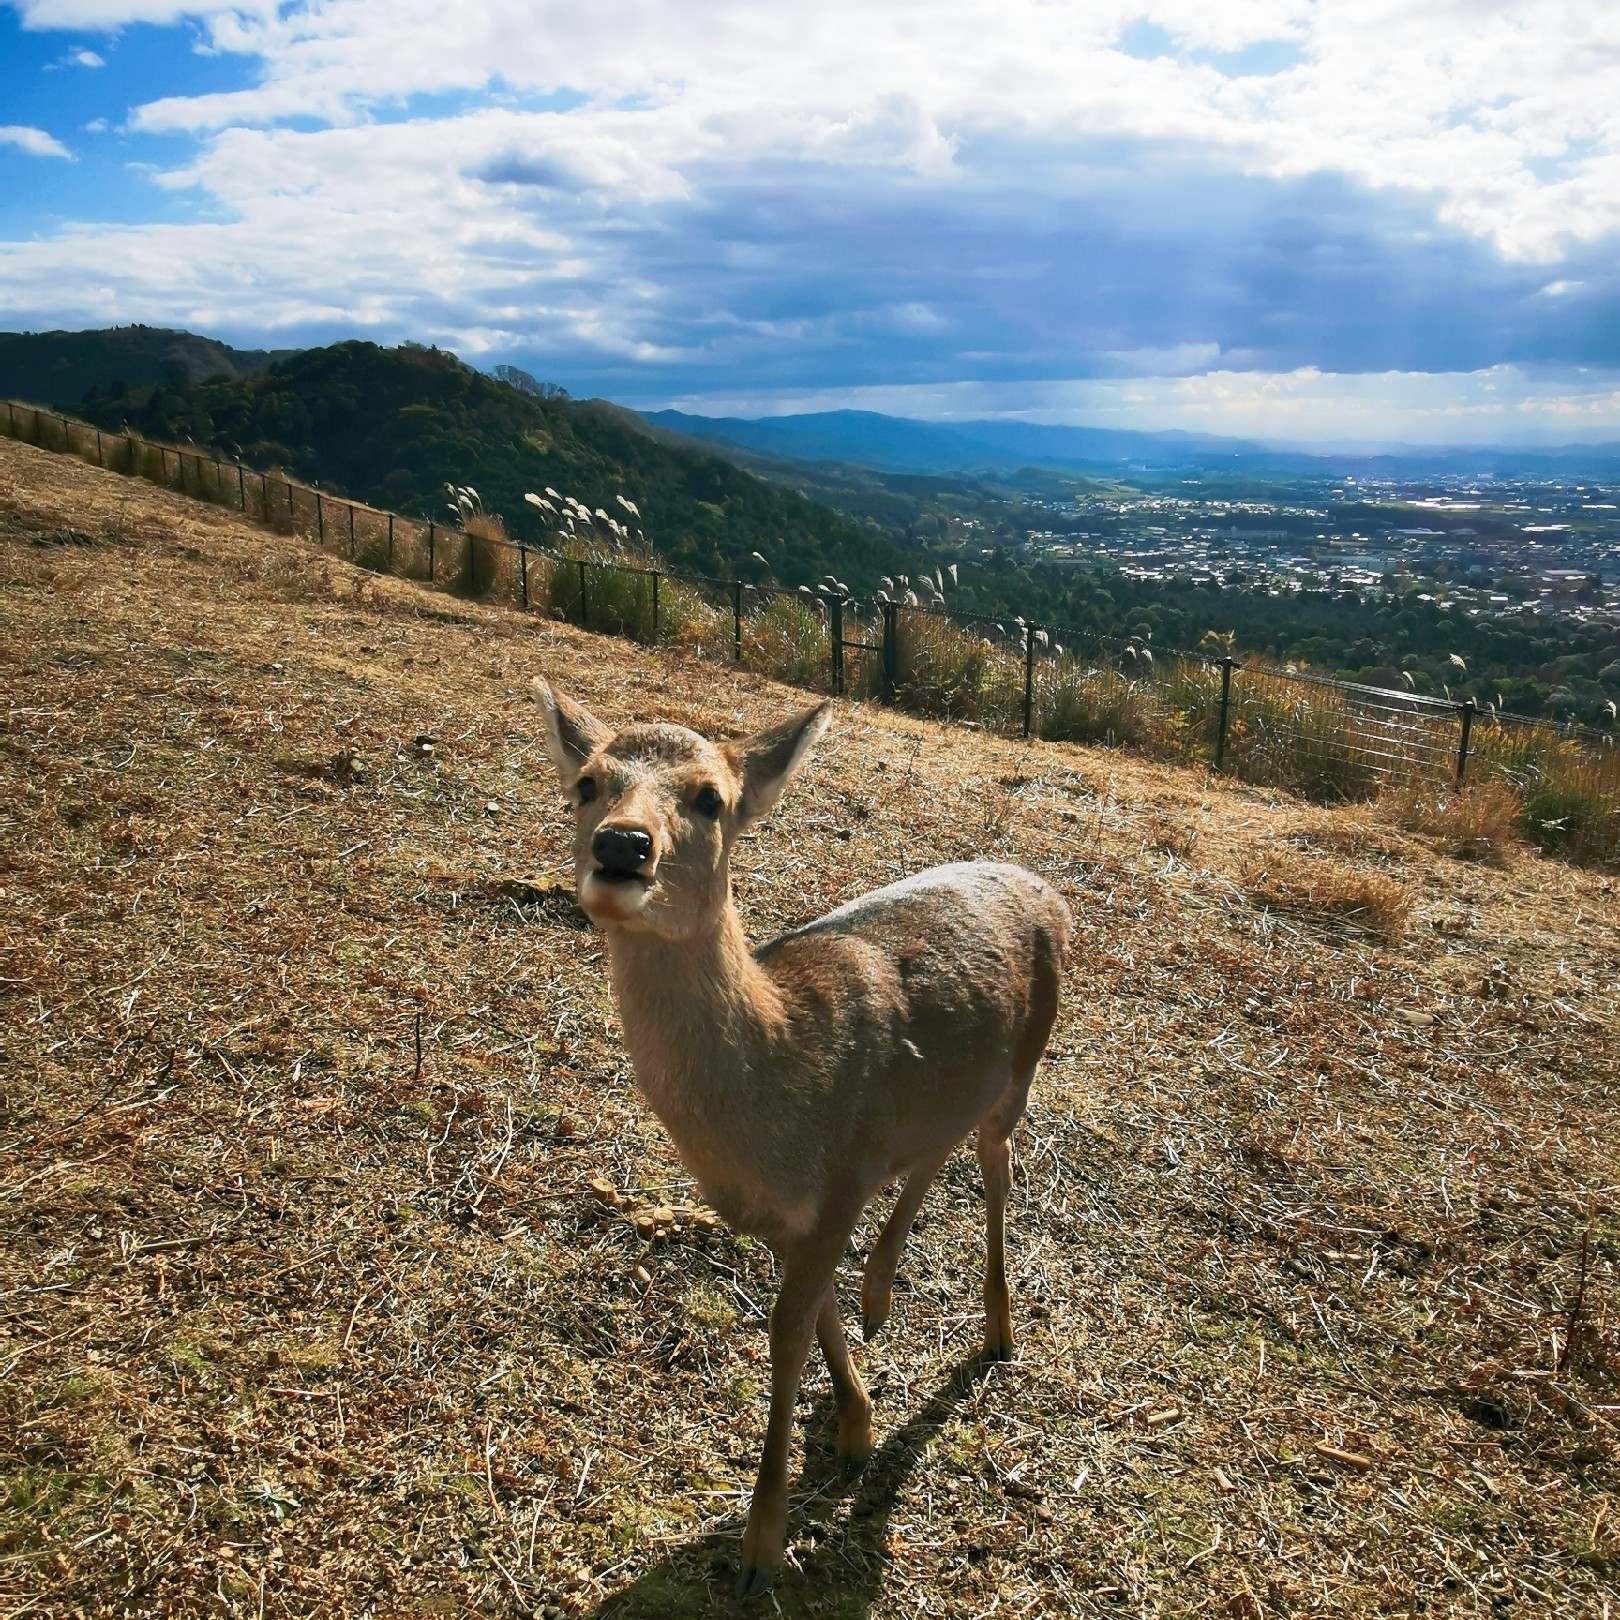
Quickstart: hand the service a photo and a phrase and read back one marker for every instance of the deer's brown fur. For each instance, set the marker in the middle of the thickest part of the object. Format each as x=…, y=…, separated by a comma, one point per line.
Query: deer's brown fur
x=799, y=1079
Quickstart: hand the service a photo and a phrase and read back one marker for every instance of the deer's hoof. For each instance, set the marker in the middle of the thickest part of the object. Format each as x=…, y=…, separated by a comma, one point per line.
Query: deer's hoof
x=852, y=1464
x=754, y=1580
x=997, y=1350
x=874, y=1315
x=764, y=1545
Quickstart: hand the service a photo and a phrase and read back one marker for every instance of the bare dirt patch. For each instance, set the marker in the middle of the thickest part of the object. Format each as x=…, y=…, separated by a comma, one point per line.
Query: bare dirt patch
x=342, y=1271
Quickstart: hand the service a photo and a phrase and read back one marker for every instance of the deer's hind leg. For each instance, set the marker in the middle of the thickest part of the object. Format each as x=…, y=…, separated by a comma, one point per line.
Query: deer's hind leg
x=855, y=1434
x=995, y=1163
x=877, y=1281
x=994, y=1144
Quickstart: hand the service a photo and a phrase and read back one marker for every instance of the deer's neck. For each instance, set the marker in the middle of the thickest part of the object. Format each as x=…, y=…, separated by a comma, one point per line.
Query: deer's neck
x=700, y=1016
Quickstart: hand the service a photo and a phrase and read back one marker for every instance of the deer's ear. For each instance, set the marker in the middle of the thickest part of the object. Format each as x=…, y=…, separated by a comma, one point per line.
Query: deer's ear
x=769, y=760
x=573, y=733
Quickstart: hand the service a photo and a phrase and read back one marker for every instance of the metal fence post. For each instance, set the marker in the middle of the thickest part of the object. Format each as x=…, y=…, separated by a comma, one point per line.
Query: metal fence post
x=241, y=489
x=1029, y=678
x=101, y=455
x=736, y=620
x=1467, y=710
x=292, y=507
x=523, y=563
x=655, y=606
x=390, y=542
x=891, y=651
x=1225, y=714
x=320, y=517
x=584, y=612
x=835, y=634
x=351, y=528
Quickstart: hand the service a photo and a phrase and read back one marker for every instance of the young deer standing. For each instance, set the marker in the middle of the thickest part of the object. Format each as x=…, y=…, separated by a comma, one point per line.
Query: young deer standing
x=798, y=1079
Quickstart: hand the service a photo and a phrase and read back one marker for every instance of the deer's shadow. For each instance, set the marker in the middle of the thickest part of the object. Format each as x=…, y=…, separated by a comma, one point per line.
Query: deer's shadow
x=841, y=1562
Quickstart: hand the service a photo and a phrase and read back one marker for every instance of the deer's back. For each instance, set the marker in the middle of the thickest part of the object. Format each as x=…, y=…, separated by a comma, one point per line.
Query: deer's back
x=928, y=996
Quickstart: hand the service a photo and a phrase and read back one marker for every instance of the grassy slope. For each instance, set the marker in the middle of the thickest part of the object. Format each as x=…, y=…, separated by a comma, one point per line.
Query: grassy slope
x=293, y=1320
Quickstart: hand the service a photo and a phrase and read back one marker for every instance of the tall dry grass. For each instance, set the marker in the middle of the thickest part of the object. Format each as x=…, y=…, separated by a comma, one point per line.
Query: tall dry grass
x=1568, y=794
x=1477, y=822
x=787, y=636
x=953, y=671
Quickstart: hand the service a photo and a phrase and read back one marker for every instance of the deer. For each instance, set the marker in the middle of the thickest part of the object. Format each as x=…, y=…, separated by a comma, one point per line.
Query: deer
x=798, y=1080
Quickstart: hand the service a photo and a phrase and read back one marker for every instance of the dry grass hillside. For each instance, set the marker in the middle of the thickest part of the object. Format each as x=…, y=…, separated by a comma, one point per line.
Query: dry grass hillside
x=342, y=1271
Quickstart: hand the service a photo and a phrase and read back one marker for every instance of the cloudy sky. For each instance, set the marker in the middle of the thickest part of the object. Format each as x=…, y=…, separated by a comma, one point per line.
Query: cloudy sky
x=1306, y=220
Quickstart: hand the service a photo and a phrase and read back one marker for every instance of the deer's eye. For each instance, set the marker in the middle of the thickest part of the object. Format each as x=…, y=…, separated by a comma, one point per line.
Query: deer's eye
x=708, y=802
x=585, y=787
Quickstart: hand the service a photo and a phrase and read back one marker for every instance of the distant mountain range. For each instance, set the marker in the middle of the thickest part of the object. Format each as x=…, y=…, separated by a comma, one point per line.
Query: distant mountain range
x=858, y=495
x=60, y=368
x=895, y=444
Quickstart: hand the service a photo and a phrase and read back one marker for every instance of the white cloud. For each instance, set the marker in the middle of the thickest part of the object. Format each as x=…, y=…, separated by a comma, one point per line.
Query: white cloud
x=33, y=141
x=87, y=59
x=1501, y=110
x=87, y=16
x=715, y=183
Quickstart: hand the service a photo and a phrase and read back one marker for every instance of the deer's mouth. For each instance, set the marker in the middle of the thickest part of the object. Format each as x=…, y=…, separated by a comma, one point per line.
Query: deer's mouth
x=620, y=877
x=613, y=894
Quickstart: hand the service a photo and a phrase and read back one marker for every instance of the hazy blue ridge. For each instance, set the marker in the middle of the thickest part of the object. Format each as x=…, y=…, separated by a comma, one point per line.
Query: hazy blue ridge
x=901, y=445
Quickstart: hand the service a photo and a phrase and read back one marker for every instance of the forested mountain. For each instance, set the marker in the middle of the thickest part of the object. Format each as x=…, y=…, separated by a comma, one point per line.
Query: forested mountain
x=59, y=368
x=394, y=426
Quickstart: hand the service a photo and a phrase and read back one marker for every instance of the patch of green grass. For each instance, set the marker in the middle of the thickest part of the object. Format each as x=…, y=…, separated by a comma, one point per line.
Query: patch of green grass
x=186, y=1355
x=36, y=1491
x=708, y=1310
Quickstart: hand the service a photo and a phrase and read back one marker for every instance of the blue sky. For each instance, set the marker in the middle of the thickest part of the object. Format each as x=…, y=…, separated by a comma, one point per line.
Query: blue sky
x=1351, y=221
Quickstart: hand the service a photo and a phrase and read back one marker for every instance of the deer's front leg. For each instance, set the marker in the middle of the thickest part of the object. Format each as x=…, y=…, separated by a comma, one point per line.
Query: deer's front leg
x=807, y=1273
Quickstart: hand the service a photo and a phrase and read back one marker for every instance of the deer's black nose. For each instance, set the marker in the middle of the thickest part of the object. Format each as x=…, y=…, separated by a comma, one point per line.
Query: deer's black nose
x=622, y=851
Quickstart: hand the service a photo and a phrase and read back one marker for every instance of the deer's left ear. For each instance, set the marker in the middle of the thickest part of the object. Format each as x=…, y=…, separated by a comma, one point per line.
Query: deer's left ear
x=770, y=759
x=573, y=733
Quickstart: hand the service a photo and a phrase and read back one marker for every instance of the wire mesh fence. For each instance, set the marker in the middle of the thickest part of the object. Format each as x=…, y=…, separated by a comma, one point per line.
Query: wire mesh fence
x=1330, y=741
x=1321, y=739
x=1567, y=781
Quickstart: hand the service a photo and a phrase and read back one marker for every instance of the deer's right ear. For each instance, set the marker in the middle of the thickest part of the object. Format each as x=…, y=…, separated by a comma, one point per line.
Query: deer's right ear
x=573, y=733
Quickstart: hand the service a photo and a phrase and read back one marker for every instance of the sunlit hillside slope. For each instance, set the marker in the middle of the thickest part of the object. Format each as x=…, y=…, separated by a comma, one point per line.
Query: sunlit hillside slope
x=343, y=1271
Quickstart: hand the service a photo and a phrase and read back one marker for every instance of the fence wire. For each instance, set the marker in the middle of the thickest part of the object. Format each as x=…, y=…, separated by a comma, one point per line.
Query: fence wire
x=1331, y=742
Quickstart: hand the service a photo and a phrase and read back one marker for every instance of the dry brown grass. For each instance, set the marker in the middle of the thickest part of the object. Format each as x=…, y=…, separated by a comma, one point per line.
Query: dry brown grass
x=492, y=562
x=1479, y=822
x=343, y=1272
x=1314, y=887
